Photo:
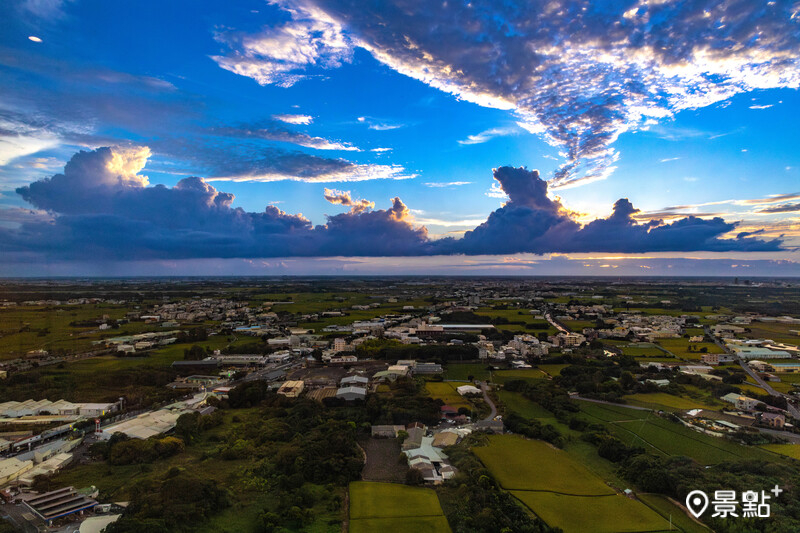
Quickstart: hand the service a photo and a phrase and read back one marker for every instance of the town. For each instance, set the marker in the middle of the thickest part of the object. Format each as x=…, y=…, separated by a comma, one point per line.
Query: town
x=115, y=393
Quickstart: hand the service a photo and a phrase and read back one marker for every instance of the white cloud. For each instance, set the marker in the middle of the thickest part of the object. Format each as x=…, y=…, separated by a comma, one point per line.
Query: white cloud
x=579, y=78
x=294, y=119
x=668, y=159
x=346, y=174
x=447, y=184
x=487, y=135
x=761, y=106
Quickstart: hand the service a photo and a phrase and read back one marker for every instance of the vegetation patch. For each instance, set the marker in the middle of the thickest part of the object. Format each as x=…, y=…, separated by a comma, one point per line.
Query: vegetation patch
x=521, y=464
x=394, y=507
x=606, y=514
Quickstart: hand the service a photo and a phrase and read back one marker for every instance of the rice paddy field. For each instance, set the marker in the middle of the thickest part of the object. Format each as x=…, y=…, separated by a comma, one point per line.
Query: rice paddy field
x=395, y=507
x=662, y=401
x=789, y=450
x=561, y=491
x=446, y=391
x=526, y=374
x=606, y=514
x=462, y=371
x=516, y=402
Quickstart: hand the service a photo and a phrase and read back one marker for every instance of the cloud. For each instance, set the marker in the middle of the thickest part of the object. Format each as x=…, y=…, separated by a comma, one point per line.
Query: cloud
x=668, y=159
x=280, y=55
x=271, y=132
x=533, y=222
x=488, y=135
x=294, y=119
x=761, y=106
x=440, y=184
x=343, y=198
x=578, y=75
x=102, y=207
x=782, y=208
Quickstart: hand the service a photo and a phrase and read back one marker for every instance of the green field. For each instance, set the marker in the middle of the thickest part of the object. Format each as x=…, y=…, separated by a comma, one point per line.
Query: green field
x=789, y=450
x=527, y=374
x=446, y=391
x=665, y=438
x=520, y=464
x=553, y=370
x=517, y=315
x=606, y=514
x=462, y=371
x=666, y=402
x=394, y=507
x=680, y=348
x=516, y=402
x=663, y=506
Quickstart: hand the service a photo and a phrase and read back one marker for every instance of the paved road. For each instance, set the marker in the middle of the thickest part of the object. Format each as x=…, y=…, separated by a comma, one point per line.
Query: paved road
x=555, y=324
x=488, y=400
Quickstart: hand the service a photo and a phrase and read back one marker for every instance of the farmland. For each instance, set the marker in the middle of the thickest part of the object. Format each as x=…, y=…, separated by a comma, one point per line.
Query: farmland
x=560, y=490
x=447, y=392
x=528, y=374
x=608, y=514
x=393, y=507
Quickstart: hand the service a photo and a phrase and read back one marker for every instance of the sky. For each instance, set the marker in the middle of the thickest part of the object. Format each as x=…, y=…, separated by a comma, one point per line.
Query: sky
x=635, y=137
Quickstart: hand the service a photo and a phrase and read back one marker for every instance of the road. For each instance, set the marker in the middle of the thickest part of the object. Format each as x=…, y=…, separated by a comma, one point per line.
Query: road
x=555, y=324
x=489, y=401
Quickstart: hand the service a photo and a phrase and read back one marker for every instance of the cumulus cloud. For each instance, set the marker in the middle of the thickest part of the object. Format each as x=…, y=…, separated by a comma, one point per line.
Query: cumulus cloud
x=102, y=207
x=530, y=221
x=294, y=119
x=343, y=198
x=577, y=73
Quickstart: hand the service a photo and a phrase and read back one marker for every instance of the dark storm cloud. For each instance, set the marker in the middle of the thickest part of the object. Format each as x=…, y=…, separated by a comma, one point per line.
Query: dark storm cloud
x=102, y=207
x=579, y=73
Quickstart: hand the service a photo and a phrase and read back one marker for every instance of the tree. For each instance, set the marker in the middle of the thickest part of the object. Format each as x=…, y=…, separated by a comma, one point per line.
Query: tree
x=195, y=353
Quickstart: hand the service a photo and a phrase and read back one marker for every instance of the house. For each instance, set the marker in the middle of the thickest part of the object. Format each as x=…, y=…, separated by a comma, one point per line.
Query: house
x=445, y=438
x=414, y=439
x=291, y=389
x=358, y=381
x=428, y=368
x=388, y=432
x=351, y=393
x=716, y=358
x=773, y=420
x=493, y=426
x=743, y=403
x=464, y=390
x=448, y=411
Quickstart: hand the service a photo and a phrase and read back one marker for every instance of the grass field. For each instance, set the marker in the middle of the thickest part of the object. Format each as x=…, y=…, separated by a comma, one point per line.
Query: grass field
x=517, y=315
x=680, y=348
x=527, y=374
x=514, y=401
x=663, y=506
x=553, y=370
x=600, y=514
x=394, y=507
x=789, y=450
x=666, y=402
x=665, y=438
x=461, y=371
x=447, y=392
x=520, y=464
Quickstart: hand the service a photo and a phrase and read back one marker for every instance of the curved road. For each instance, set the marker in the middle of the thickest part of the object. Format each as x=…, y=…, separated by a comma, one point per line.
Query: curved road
x=488, y=400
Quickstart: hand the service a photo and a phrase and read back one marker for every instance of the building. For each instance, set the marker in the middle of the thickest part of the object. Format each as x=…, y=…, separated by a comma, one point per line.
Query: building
x=388, y=432
x=414, y=439
x=59, y=503
x=717, y=358
x=773, y=420
x=445, y=438
x=93, y=410
x=427, y=368
x=291, y=389
x=351, y=393
x=757, y=352
x=358, y=381
x=145, y=425
x=743, y=403
x=464, y=390
x=11, y=469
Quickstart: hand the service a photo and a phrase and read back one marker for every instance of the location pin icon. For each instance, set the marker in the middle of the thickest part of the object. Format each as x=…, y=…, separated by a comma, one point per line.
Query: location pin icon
x=697, y=502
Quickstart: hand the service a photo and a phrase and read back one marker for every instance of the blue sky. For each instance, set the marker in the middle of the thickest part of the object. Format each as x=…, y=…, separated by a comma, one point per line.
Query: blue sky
x=688, y=111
